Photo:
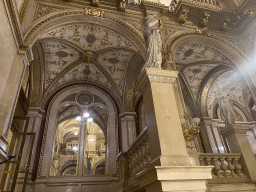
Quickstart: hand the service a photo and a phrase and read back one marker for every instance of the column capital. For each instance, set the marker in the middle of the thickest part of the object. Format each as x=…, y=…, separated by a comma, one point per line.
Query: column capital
x=150, y=75
x=35, y=111
x=125, y=114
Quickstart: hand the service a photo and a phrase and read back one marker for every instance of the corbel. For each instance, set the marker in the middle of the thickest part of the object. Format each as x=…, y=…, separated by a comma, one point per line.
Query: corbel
x=225, y=23
x=121, y=5
x=204, y=20
x=183, y=16
x=96, y=3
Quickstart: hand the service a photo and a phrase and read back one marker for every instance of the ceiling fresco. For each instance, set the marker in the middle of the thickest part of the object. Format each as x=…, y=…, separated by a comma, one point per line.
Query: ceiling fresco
x=84, y=71
x=116, y=64
x=193, y=51
x=195, y=74
x=89, y=37
x=68, y=111
x=229, y=82
x=57, y=56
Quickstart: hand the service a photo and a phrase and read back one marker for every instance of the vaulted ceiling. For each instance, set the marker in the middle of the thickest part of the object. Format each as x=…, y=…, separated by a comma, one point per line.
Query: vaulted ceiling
x=86, y=53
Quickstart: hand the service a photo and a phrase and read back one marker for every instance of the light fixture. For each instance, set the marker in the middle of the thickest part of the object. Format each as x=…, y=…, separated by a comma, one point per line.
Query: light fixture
x=86, y=116
x=79, y=118
x=75, y=148
x=91, y=139
x=190, y=132
x=75, y=133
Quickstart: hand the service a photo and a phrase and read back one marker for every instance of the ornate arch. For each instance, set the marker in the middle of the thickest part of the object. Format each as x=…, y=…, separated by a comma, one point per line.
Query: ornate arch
x=238, y=58
x=76, y=17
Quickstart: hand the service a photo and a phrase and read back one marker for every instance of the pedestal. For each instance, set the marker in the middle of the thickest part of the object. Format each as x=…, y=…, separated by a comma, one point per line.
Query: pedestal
x=167, y=144
x=176, y=178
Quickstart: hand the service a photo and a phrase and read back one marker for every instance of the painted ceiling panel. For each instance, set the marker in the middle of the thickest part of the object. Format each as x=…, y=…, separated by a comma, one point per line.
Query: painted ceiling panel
x=89, y=37
x=116, y=64
x=193, y=51
x=229, y=83
x=84, y=71
x=195, y=74
x=57, y=56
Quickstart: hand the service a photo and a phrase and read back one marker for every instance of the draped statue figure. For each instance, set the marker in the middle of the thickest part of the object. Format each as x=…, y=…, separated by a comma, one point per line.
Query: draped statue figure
x=226, y=107
x=153, y=42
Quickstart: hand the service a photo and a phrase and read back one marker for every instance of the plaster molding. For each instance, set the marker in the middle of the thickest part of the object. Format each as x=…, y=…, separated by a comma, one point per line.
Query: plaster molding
x=150, y=75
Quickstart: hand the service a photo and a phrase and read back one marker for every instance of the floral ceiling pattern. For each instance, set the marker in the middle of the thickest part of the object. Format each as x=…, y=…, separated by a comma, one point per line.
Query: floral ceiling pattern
x=57, y=56
x=89, y=37
x=193, y=51
x=116, y=64
x=195, y=74
x=228, y=82
x=87, y=72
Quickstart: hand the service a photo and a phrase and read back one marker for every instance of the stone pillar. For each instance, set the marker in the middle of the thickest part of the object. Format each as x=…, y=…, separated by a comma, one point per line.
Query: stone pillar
x=167, y=144
x=35, y=114
x=238, y=143
x=9, y=98
x=128, y=129
x=172, y=167
x=208, y=136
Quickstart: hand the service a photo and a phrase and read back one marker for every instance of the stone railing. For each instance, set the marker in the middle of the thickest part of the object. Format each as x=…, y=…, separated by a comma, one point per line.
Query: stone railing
x=226, y=165
x=138, y=154
x=135, y=159
x=204, y=3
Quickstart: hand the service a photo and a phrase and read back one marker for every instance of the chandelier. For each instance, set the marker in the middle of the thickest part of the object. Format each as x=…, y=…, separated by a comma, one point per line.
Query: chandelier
x=190, y=131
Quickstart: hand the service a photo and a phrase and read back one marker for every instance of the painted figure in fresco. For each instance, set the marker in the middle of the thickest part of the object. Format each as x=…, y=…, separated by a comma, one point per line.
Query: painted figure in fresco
x=154, y=43
x=226, y=107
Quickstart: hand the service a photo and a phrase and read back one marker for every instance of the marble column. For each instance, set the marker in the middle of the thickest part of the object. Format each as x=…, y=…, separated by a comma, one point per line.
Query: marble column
x=208, y=136
x=172, y=166
x=238, y=143
x=35, y=117
x=128, y=129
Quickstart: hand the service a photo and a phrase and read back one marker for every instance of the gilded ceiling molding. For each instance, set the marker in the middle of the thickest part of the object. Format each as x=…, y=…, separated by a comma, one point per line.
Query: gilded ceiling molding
x=43, y=10
x=78, y=16
x=23, y=10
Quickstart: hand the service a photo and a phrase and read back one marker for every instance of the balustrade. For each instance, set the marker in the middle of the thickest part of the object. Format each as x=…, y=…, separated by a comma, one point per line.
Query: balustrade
x=225, y=164
x=212, y=3
x=139, y=158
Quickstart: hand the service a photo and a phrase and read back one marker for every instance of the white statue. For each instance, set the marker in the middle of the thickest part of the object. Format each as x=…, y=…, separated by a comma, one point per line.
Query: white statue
x=154, y=43
x=226, y=107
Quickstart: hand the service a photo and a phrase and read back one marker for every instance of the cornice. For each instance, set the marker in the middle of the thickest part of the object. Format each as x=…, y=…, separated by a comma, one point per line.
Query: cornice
x=15, y=25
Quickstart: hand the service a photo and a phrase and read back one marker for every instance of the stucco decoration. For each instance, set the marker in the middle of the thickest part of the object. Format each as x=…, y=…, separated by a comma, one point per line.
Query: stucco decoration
x=195, y=74
x=57, y=56
x=116, y=64
x=194, y=51
x=90, y=37
x=231, y=84
x=84, y=71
